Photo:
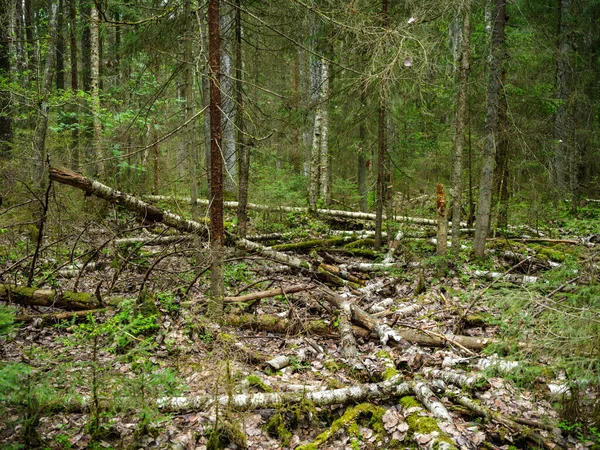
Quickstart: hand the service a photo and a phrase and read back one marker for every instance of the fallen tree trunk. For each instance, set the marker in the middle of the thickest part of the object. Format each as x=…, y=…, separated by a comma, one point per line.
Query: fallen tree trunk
x=145, y=210
x=146, y=240
x=266, y=294
x=71, y=301
x=288, y=209
x=47, y=319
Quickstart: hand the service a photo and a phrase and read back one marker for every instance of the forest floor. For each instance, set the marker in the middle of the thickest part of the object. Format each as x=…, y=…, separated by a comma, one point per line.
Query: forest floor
x=500, y=353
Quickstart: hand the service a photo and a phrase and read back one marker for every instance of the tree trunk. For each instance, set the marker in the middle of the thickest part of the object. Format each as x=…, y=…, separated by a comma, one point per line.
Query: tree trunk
x=6, y=133
x=146, y=211
x=192, y=148
x=243, y=147
x=154, y=137
x=442, y=217
x=563, y=90
x=315, y=153
x=228, y=99
x=41, y=126
x=60, y=48
x=31, y=60
x=362, y=156
x=381, y=145
x=501, y=171
x=95, y=154
x=491, y=129
x=460, y=130
x=215, y=308
x=74, y=82
x=325, y=158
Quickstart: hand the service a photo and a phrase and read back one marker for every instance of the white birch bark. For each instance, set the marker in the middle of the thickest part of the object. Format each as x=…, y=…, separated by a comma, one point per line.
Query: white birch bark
x=325, y=173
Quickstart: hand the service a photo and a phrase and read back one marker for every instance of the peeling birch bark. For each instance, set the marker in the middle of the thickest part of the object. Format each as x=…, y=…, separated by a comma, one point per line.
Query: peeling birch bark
x=458, y=379
x=348, y=342
x=430, y=401
x=358, y=393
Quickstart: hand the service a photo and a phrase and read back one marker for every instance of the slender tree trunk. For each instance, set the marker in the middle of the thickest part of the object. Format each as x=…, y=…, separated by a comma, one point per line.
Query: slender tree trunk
x=362, y=159
x=154, y=137
x=460, y=132
x=60, y=47
x=41, y=125
x=217, y=238
x=315, y=154
x=6, y=133
x=295, y=105
x=501, y=171
x=74, y=82
x=192, y=148
x=95, y=149
x=491, y=129
x=381, y=146
x=244, y=149
x=325, y=173
x=563, y=90
x=21, y=61
x=442, y=219
x=228, y=100
x=31, y=60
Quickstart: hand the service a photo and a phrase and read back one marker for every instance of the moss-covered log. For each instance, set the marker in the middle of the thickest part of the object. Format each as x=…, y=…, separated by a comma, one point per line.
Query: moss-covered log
x=71, y=301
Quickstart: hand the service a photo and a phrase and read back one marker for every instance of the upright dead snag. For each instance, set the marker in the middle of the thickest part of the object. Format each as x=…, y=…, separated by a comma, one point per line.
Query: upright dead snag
x=442, y=220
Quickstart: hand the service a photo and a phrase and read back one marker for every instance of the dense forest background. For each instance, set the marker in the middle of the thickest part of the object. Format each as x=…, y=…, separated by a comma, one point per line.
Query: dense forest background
x=119, y=91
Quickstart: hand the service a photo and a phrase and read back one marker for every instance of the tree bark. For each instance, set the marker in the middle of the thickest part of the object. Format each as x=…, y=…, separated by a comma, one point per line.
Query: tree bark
x=228, y=107
x=146, y=211
x=325, y=157
x=74, y=82
x=460, y=129
x=192, y=149
x=563, y=90
x=362, y=156
x=442, y=228
x=95, y=154
x=217, y=238
x=381, y=146
x=6, y=132
x=491, y=129
x=60, y=48
x=41, y=126
x=243, y=146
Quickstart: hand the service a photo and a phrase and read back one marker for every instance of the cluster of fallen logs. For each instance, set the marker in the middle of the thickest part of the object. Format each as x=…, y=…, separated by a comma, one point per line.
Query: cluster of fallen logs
x=353, y=322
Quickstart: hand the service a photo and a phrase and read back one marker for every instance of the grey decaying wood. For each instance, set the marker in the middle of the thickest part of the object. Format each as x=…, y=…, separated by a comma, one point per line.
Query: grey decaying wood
x=389, y=256
x=266, y=294
x=384, y=332
x=349, y=348
x=514, y=278
x=523, y=431
x=430, y=401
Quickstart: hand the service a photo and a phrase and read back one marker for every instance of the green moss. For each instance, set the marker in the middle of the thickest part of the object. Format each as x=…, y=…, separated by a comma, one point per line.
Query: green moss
x=550, y=253
x=257, y=382
x=349, y=422
x=360, y=243
x=390, y=372
x=425, y=425
x=383, y=354
x=226, y=432
x=331, y=365
x=287, y=419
